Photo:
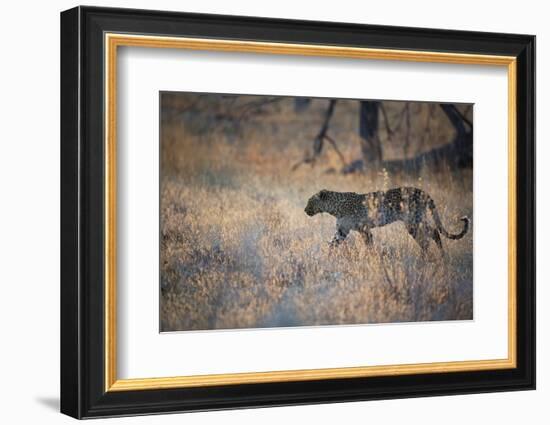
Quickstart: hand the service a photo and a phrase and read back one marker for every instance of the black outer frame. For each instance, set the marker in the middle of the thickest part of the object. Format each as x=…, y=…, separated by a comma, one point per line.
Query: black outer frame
x=82, y=217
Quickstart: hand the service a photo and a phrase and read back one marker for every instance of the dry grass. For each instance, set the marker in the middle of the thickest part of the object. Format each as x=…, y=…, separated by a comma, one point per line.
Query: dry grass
x=238, y=251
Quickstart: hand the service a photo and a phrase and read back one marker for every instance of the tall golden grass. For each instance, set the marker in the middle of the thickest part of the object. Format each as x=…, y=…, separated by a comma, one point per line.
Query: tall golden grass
x=238, y=251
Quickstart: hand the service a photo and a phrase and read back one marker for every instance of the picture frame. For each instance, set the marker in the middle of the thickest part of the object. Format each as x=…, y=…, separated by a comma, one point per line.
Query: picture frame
x=90, y=40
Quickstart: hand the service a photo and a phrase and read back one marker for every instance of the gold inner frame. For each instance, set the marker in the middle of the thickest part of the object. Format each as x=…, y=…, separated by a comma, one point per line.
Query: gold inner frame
x=113, y=41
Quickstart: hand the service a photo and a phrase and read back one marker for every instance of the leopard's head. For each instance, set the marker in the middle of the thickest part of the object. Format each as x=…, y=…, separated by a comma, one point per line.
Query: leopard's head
x=317, y=203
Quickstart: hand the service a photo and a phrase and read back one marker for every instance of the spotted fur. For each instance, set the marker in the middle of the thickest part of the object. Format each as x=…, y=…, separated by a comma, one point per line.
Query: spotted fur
x=363, y=212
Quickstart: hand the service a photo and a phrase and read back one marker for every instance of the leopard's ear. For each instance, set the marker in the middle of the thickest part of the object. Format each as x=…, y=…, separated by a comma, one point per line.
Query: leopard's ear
x=323, y=194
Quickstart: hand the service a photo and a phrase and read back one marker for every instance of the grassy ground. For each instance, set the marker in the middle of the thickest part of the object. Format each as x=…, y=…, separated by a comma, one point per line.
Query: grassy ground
x=238, y=251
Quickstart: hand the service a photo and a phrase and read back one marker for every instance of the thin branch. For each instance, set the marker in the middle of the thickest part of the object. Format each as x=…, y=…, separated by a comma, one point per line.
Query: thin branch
x=389, y=131
x=333, y=143
x=426, y=134
x=397, y=127
x=256, y=106
x=326, y=121
x=319, y=139
x=456, y=117
x=463, y=116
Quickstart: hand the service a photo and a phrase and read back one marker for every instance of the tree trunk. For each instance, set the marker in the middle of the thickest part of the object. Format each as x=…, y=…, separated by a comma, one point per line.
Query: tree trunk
x=463, y=141
x=368, y=130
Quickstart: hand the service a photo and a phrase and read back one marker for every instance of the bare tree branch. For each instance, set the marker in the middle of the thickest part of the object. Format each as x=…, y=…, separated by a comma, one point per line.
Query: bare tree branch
x=256, y=107
x=397, y=127
x=333, y=143
x=319, y=139
x=389, y=131
x=463, y=116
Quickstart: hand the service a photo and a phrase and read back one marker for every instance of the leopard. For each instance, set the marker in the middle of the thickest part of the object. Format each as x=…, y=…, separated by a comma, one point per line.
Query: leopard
x=362, y=212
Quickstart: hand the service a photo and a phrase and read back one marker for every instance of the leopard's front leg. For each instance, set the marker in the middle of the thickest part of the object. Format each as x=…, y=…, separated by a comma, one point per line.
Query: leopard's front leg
x=367, y=236
x=339, y=237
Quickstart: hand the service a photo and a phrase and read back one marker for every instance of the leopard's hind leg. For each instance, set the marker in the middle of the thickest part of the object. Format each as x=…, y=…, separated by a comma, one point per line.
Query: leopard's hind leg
x=366, y=234
x=422, y=233
x=437, y=239
x=418, y=232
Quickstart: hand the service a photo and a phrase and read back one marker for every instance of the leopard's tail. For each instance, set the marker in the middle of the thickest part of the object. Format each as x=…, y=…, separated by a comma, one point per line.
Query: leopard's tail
x=442, y=229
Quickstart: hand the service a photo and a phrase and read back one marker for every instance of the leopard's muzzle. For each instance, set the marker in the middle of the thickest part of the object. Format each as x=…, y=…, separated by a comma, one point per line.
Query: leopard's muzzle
x=310, y=210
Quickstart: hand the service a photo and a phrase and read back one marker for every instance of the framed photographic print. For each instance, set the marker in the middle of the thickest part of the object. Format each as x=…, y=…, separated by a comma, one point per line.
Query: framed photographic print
x=261, y=212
